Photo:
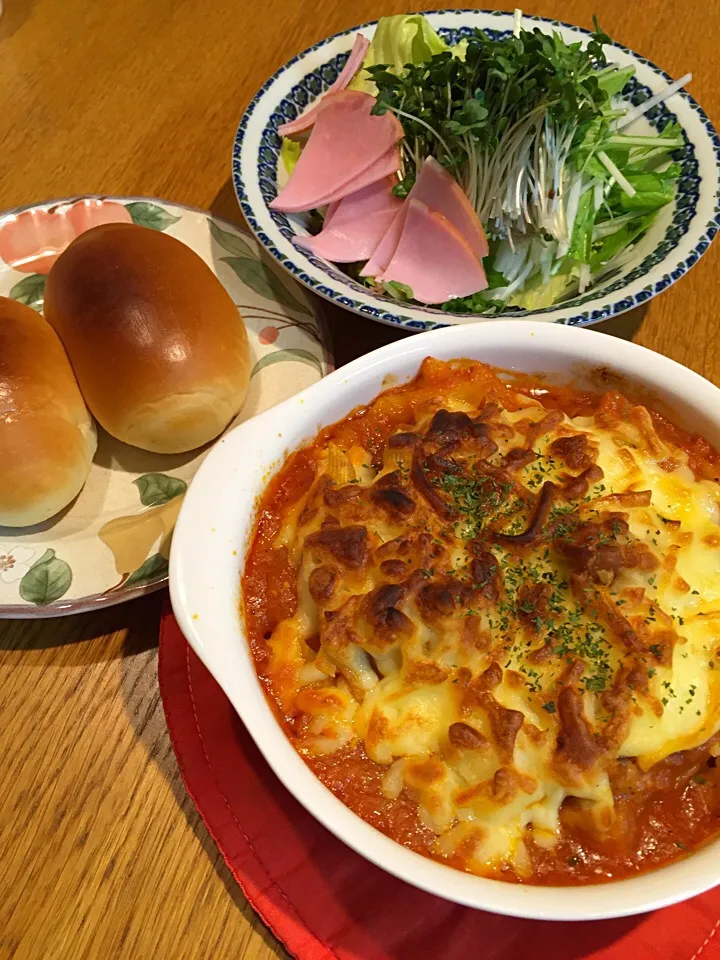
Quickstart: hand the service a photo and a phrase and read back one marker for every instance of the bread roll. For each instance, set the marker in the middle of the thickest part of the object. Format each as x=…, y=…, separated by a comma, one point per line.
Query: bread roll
x=47, y=437
x=158, y=347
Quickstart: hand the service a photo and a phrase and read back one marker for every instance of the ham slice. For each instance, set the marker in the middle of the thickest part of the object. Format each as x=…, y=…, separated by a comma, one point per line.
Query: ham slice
x=433, y=258
x=383, y=167
x=307, y=119
x=355, y=226
x=382, y=256
x=442, y=194
x=348, y=149
x=439, y=191
x=331, y=211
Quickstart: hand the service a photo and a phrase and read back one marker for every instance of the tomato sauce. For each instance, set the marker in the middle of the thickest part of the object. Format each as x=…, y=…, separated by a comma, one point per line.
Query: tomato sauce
x=660, y=815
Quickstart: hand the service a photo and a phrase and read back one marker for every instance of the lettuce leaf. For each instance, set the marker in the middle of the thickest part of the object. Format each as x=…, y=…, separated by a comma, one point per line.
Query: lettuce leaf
x=652, y=190
x=538, y=294
x=614, y=244
x=652, y=158
x=584, y=153
x=581, y=241
x=398, y=40
x=290, y=153
x=613, y=82
x=397, y=290
x=494, y=278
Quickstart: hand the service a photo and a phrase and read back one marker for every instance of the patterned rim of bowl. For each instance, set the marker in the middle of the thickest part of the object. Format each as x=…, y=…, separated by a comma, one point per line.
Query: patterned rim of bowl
x=255, y=163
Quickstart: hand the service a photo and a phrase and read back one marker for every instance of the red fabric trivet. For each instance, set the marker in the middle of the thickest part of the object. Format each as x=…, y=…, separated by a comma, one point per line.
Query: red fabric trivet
x=325, y=902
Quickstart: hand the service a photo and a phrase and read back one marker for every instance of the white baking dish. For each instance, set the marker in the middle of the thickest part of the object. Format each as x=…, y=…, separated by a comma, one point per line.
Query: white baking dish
x=211, y=540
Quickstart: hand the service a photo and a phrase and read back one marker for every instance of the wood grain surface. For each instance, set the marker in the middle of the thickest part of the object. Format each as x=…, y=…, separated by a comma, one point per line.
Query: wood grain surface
x=102, y=854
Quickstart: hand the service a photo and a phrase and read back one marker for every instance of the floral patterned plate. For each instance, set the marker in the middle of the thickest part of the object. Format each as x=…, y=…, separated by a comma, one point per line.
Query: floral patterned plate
x=111, y=544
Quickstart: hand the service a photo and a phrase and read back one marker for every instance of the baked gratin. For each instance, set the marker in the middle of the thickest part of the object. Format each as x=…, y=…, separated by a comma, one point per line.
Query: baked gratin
x=487, y=612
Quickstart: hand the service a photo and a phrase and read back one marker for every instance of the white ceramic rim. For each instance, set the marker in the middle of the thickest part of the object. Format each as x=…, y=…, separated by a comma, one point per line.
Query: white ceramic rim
x=207, y=559
x=249, y=145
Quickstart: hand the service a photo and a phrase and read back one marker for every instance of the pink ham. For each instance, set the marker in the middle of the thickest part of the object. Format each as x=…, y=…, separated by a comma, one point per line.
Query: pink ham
x=441, y=194
x=433, y=258
x=382, y=256
x=331, y=211
x=356, y=225
x=347, y=150
x=307, y=119
x=384, y=166
x=437, y=189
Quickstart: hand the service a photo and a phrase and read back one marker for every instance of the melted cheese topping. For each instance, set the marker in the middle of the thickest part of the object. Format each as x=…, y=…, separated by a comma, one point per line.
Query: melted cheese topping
x=499, y=608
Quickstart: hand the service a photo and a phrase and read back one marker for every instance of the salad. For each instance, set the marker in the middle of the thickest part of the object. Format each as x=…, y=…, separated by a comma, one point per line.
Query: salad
x=494, y=174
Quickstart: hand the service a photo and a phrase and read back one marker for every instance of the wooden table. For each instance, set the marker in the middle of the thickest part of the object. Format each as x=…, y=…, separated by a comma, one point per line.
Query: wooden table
x=102, y=854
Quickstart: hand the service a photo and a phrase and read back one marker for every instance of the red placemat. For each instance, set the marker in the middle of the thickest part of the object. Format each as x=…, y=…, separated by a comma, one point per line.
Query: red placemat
x=327, y=903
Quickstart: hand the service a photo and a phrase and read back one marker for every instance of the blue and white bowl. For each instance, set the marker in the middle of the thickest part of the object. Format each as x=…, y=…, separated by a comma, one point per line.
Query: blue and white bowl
x=678, y=238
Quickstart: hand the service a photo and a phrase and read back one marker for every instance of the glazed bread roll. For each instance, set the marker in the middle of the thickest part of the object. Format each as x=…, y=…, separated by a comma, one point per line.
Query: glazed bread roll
x=158, y=347
x=47, y=437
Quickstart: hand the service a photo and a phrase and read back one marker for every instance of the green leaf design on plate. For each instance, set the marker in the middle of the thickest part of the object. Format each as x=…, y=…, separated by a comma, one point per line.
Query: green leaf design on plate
x=230, y=242
x=293, y=353
x=157, y=488
x=47, y=580
x=154, y=567
x=260, y=278
x=151, y=215
x=30, y=290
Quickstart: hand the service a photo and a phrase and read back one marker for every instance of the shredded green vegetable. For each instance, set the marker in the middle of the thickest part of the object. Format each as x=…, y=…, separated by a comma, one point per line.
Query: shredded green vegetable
x=528, y=125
